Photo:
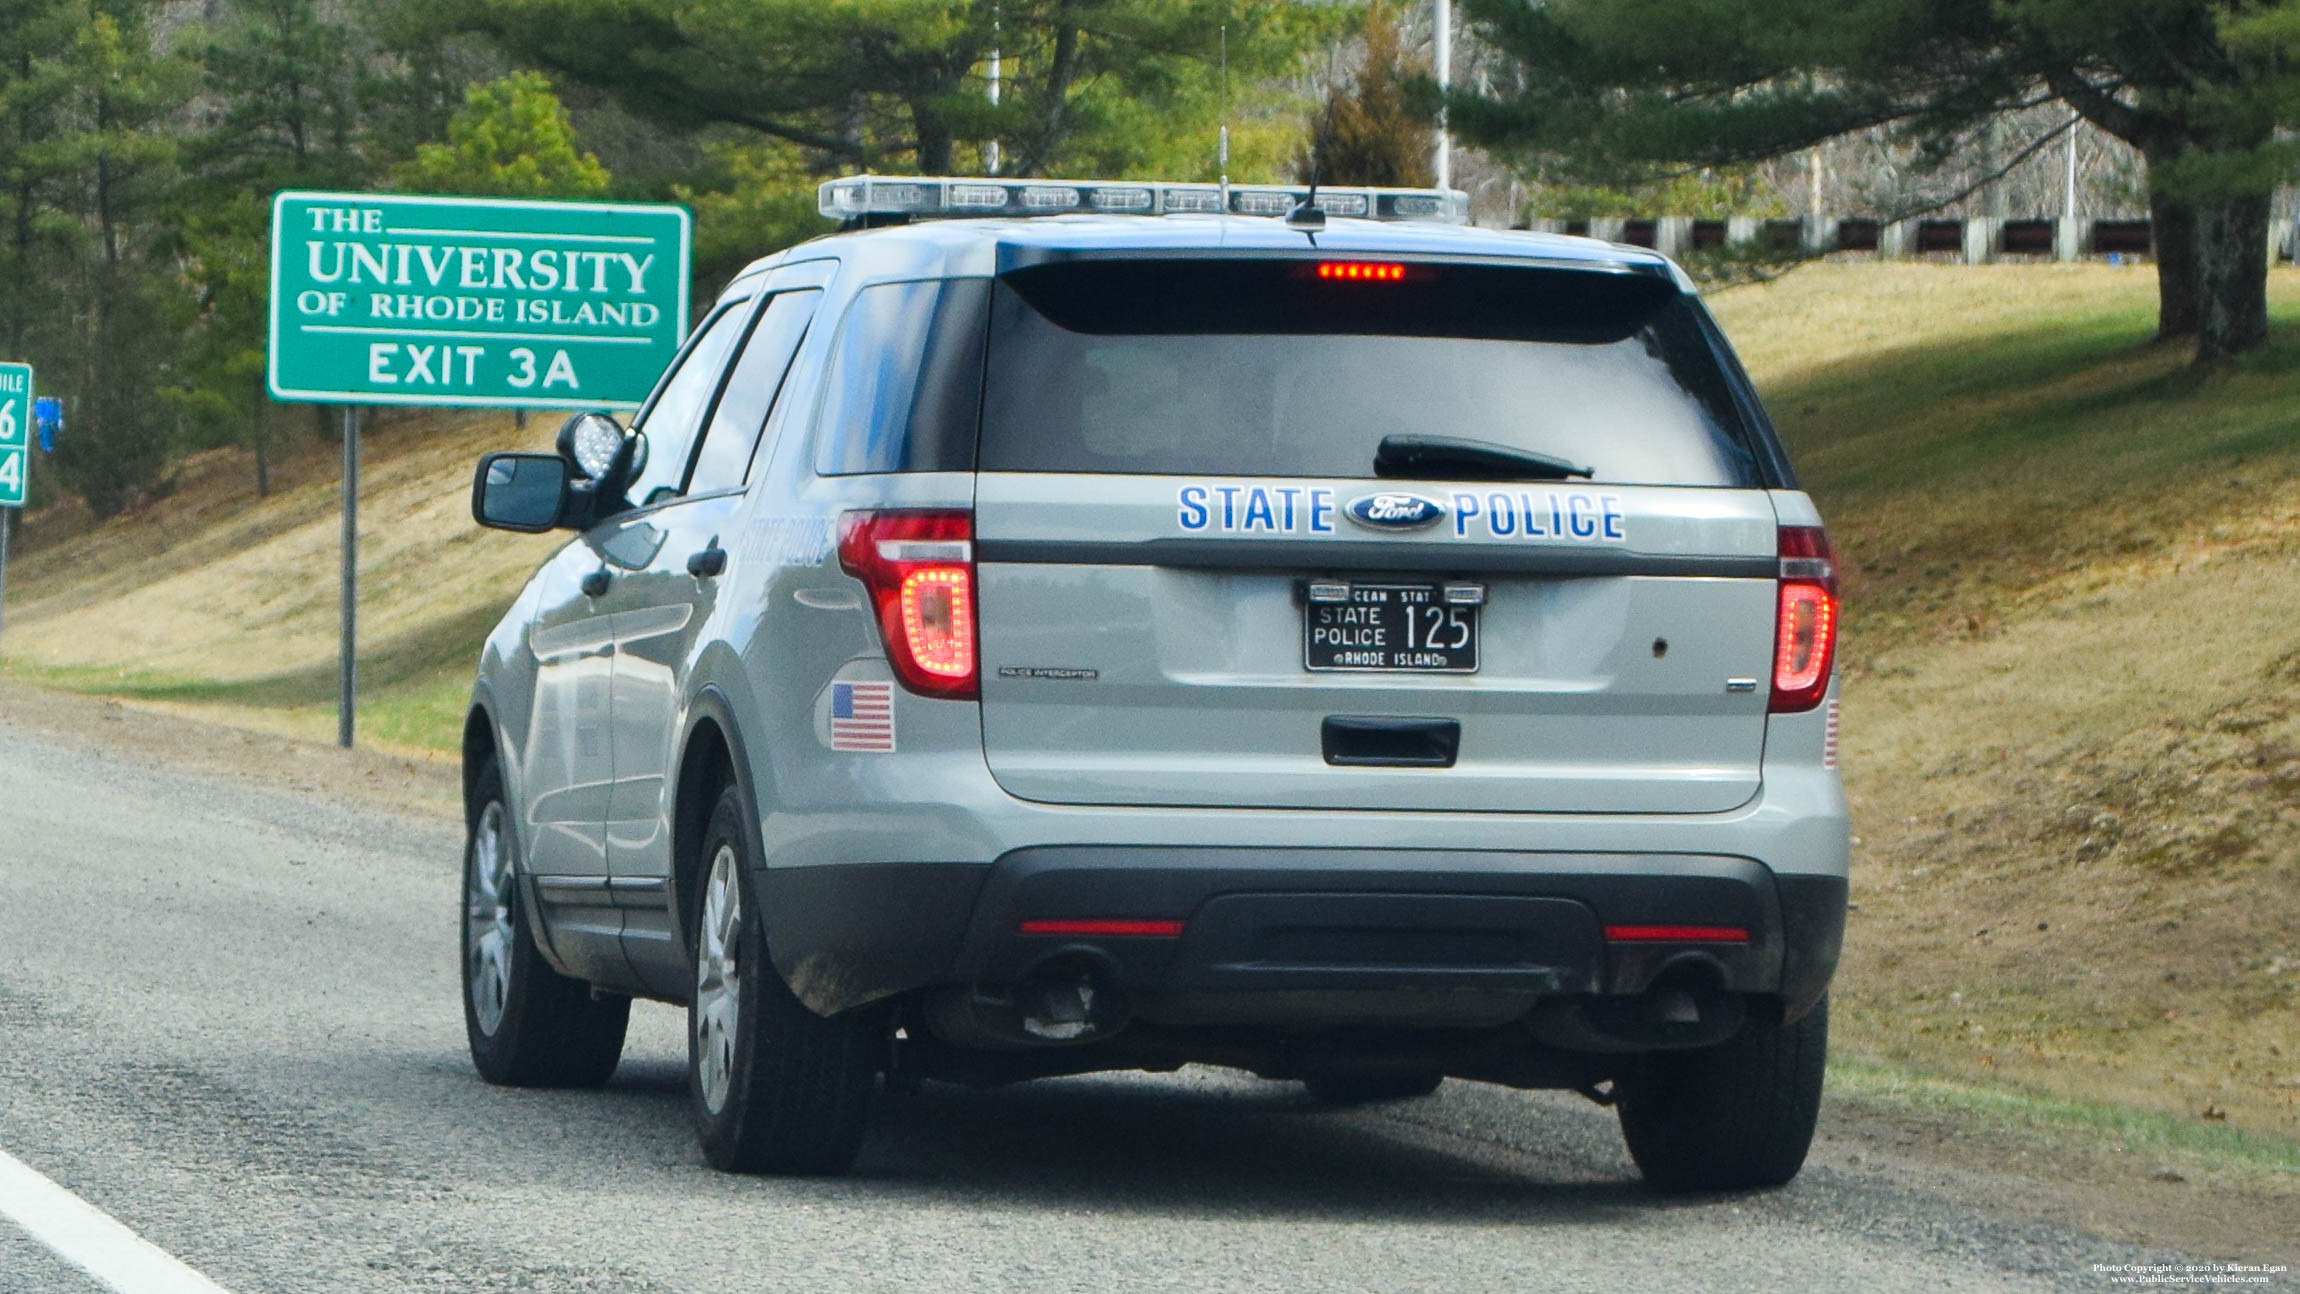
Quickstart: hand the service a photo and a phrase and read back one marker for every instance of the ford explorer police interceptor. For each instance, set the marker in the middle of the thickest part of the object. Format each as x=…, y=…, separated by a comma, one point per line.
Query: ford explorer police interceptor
x=1049, y=627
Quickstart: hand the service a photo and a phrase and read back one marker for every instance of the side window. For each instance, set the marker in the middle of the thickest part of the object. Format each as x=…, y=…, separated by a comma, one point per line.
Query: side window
x=728, y=444
x=671, y=420
x=904, y=392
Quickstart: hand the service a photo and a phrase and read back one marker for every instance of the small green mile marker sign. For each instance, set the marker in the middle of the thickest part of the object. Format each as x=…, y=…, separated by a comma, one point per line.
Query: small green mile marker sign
x=15, y=433
x=382, y=299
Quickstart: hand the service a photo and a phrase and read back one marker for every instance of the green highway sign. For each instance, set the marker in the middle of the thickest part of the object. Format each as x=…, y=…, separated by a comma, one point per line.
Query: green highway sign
x=383, y=299
x=15, y=433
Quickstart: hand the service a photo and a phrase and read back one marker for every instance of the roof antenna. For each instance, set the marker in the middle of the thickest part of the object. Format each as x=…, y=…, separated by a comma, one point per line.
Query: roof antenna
x=1307, y=215
x=1223, y=147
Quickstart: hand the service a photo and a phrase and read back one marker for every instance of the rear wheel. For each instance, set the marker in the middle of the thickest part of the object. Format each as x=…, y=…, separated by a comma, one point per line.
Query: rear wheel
x=1729, y=1117
x=776, y=1088
x=527, y=1025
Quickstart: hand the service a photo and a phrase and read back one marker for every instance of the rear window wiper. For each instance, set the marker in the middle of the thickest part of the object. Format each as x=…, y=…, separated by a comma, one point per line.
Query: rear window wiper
x=1439, y=457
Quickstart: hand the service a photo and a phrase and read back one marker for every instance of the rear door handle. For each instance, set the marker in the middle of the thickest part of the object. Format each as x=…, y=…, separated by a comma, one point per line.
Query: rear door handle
x=1390, y=741
x=709, y=563
x=595, y=584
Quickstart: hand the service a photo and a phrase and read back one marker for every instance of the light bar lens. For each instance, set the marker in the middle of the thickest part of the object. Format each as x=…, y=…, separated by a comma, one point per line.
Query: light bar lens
x=979, y=197
x=1122, y=199
x=1050, y=197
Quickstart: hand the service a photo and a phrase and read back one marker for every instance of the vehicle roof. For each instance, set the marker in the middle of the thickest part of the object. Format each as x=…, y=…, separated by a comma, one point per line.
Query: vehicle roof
x=976, y=247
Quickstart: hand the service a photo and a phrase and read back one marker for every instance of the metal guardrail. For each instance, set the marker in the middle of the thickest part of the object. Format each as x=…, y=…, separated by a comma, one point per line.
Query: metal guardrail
x=1976, y=240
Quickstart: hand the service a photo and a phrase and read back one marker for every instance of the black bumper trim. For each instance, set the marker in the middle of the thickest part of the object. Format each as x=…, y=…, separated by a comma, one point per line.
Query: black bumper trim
x=1813, y=912
x=1288, y=920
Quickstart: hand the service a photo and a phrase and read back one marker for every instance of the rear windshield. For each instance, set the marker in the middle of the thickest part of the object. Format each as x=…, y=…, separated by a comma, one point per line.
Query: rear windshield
x=1265, y=368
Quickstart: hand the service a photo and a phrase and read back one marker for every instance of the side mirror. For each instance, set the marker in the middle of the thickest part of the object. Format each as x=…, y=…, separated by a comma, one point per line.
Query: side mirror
x=524, y=492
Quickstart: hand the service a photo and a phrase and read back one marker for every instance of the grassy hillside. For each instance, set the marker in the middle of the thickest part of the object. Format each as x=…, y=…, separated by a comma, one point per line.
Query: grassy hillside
x=2072, y=657
x=212, y=597
x=2073, y=675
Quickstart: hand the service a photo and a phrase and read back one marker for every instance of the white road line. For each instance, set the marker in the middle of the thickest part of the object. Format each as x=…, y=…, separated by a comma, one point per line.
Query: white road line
x=89, y=1238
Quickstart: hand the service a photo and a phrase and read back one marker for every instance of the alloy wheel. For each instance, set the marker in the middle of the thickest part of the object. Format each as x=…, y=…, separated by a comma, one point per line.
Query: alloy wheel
x=718, y=981
x=487, y=917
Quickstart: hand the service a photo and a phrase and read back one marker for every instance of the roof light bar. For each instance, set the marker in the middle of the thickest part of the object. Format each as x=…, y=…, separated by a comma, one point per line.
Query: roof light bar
x=922, y=197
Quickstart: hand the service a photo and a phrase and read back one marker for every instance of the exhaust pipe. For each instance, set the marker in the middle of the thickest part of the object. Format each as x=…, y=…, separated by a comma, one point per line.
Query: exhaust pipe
x=1068, y=999
x=1686, y=1005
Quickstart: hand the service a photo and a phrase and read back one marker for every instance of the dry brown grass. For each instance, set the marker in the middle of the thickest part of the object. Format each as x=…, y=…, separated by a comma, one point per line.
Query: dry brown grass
x=2072, y=703
x=212, y=596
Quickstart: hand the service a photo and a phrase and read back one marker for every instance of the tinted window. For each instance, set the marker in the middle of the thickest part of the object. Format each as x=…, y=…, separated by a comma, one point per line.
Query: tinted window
x=904, y=393
x=671, y=419
x=1265, y=369
x=725, y=457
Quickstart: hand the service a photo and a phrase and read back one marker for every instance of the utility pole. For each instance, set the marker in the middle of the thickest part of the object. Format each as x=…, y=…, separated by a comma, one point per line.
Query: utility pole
x=1442, y=57
x=990, y=150
x=2068, y=238
x=2068, y=187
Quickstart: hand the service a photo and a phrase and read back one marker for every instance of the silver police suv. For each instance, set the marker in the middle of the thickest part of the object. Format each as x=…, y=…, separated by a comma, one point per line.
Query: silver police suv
x=1049, y=627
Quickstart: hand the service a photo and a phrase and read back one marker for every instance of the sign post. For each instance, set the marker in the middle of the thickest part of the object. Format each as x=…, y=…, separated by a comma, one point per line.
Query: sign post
x=15, y=454
x=384, y=299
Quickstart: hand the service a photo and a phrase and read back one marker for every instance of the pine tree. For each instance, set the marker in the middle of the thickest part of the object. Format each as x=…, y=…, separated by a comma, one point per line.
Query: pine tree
x=1367, y=133
x=116, y=164
x=2200, y=87
x=899, y=84
x=513, y=140
x=278, y=75
x=35, y=37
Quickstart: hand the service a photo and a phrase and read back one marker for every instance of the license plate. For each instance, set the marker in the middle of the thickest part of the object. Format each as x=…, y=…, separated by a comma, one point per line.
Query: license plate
x=1399, y=628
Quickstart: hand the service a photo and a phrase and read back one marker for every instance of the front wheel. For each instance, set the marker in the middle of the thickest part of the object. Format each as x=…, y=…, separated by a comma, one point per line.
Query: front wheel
x=527, y=1025
x=776, y=1088
x=1729, y=1117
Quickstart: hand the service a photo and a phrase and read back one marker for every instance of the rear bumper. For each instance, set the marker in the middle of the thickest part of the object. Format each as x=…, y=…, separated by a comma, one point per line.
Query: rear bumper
x=1306, y=936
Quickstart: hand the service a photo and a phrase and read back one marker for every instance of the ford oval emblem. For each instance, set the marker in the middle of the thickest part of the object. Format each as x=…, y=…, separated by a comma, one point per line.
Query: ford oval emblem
x=1392, y=510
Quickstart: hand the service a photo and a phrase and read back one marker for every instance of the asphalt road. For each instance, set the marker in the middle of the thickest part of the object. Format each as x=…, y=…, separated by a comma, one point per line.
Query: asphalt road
x=229, y=1018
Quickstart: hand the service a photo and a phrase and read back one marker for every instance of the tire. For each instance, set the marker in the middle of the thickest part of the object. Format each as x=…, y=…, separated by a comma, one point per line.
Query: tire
x=775, y=1087
x=1730, y=1117
x=1345, y=1087
x=528, y=1025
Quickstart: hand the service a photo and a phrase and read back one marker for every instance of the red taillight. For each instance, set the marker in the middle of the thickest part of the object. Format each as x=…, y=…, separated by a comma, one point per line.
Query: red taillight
x=1805, y=626
x=1677, y=934
x=1362, y=271
x=1104, y=926
x=919, y=567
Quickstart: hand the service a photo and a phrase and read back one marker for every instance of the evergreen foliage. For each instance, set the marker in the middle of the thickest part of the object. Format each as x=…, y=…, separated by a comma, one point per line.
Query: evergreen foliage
x=1367, y=133
x=2206, y=90
x=1088, y=85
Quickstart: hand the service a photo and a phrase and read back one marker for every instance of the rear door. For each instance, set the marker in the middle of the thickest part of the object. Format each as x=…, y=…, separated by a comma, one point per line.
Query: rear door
x=1196, y=590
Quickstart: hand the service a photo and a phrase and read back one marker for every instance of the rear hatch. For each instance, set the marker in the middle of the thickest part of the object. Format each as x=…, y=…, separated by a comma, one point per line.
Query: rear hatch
x=1196, y=589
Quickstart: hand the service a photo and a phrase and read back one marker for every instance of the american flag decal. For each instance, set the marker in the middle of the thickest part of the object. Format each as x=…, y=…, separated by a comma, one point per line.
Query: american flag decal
x=862, y=716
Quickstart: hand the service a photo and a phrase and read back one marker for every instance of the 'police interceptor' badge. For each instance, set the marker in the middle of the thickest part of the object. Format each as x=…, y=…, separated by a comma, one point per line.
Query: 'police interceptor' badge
x=1394, y=510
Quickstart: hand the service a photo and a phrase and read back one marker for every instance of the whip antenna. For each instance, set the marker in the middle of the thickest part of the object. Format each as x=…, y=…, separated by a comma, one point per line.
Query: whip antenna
x=1222, y=147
